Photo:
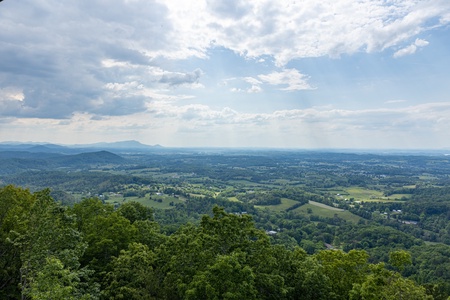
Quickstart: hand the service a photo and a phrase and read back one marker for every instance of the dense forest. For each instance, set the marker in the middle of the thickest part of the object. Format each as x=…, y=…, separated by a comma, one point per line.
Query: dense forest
x=224, y=224
x=93, y=251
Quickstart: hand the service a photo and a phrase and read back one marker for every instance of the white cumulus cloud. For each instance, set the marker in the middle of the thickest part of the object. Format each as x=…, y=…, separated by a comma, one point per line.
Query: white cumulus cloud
x=411, y=49
x=291, y=78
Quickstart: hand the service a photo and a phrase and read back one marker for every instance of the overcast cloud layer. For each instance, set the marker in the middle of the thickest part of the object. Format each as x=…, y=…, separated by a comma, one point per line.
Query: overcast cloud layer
x=304, y=74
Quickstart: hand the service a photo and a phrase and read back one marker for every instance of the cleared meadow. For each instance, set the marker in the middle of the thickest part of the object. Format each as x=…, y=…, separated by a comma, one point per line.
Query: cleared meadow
x=325, y=211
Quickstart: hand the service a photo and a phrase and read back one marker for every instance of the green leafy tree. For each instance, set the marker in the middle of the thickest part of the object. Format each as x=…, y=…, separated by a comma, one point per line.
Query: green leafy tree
x=227, y=278
x=39, y=232
x=105, y=231
x=132, y=274
x=51, y=232
x=343, y=270
x=55, y=281
x=148, y=233
x=15, y=204
x=230, y=233
x=188, y=257
x=309, y=281
x=135, y=211
x=400, y=259
x=389, y=285
x=185, y=253
x=89, y=209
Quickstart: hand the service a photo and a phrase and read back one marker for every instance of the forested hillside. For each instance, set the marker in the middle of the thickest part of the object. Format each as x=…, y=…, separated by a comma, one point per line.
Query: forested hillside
x=93, y=251
x=177, y=224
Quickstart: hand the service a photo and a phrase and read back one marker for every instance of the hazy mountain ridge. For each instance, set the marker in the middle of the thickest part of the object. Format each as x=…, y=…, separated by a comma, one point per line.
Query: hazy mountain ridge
x=98, y=157
x=19, y=161
x=21, y=154
x=121, y=146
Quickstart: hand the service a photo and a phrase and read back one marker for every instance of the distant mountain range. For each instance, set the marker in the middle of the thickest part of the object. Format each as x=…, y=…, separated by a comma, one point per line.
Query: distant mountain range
x=98, y=157
x=122, y=146
x=13, y=162
x=16, y=157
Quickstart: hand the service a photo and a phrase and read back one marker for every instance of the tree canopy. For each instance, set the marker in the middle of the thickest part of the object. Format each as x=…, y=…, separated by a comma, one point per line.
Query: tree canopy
x=95, y=251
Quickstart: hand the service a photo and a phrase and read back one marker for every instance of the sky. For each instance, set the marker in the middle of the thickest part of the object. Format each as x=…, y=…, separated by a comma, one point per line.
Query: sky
x=362, y=74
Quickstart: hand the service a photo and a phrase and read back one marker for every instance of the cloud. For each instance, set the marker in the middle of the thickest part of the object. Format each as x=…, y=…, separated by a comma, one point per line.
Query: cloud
x=312, y=127
x=411, y=49
x=395, y=101
x=175, y=79
x=254, y=89
x=307, y=28
x=80, y=57
x=290, y=77
x=255, y=85
x=417, y=126
x=368, y=119
x=233, y=9
x=252, y=80
x=63, y=56
x=11, y=94
x=254, y=28
x=421, y=43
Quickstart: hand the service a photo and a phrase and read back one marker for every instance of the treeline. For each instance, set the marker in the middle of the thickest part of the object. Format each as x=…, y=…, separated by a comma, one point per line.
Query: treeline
x=274, y=196
x=92, y=251
x=15, y=162
x=84, y=181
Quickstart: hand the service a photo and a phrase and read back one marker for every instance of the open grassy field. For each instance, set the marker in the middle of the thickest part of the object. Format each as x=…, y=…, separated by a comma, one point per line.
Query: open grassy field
x=244, y=183
x=327, y=212
x=285, y=204
x=397, y=196
x=364, y=194
x=413, y=186
x=197, y=195
x=162, y=202
x=325, y=206
x=233, y=199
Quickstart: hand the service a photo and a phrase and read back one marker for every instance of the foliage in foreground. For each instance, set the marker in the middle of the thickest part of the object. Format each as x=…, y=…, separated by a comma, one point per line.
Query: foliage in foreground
x=92, y=251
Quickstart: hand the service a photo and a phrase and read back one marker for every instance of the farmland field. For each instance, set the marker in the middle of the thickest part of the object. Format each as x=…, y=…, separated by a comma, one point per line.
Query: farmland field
x=327, y=212
x=285, y=204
